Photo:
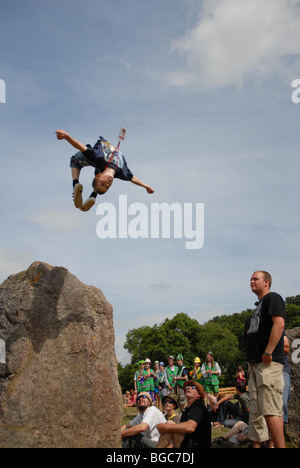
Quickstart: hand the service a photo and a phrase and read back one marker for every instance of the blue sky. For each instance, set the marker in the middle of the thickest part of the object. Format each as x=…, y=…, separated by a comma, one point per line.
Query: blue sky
x=204, y=90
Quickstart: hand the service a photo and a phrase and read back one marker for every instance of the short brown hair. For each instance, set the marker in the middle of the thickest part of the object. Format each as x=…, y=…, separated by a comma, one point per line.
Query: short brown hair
x=267, y=277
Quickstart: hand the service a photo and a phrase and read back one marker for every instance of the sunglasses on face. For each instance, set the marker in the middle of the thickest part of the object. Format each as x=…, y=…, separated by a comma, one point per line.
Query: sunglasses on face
x=193, y=387
x=169, y=401
x=142, y=396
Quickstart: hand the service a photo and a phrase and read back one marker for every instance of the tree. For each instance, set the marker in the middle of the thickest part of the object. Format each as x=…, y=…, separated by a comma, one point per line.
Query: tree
x=293, y=316
x=126, y=374
x=223, y=335
x=181, y=334
x=293, y=300
x=173, y=336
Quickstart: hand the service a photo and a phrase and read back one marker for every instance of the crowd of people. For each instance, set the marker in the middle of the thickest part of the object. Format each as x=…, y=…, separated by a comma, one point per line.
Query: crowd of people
x=167, y=428
x=161, y=380
x=257, y=414
x=167, y=390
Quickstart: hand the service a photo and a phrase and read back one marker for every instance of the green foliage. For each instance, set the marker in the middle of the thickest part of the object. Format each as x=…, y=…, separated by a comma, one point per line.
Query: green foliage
x=293, y=300
x=293, y=314
x=126, y=374
x=223, y=335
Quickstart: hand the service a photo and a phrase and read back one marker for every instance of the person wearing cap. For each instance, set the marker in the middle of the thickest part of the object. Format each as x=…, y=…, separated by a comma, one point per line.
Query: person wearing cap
x=196, y=373
x=180, y=378
x=194, y=430
x=142, y=431
x=170, y=403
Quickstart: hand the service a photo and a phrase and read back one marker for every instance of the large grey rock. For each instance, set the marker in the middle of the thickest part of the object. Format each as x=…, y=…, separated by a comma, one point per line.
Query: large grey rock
x=293, y=428
x=58, y=377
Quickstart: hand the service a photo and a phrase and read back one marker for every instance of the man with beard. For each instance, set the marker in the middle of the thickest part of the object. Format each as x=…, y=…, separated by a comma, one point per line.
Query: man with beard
x=142, y=431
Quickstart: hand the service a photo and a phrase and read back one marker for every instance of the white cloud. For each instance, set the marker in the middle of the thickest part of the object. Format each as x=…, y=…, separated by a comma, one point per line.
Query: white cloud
x=235, y=41
x=61, y=220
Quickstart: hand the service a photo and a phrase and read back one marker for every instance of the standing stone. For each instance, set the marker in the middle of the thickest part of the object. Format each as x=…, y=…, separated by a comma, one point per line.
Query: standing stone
x=293, y=428
x=58, y=372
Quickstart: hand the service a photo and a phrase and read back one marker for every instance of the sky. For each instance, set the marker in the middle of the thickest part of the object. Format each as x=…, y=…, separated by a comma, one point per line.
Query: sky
x=204, y=89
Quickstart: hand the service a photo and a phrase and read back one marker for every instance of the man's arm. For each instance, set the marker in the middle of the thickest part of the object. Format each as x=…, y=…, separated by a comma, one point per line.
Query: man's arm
x=276, y=333
x=62, y=135
x=137, y=181
x=286, y=345
x=130, y=431
x=225, y=398
x=183, y=377
x=187, y=427
x=135, y=386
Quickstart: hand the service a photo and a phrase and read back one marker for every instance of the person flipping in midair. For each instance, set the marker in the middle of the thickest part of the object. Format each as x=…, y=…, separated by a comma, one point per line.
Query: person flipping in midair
x=109, y=163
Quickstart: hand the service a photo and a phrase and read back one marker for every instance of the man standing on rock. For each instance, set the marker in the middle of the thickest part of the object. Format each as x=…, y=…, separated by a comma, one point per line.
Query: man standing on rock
x=265, y=356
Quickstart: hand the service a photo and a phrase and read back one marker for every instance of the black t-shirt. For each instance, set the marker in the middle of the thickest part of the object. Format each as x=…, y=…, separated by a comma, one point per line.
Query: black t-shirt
x=201, y=438
x=258, y=333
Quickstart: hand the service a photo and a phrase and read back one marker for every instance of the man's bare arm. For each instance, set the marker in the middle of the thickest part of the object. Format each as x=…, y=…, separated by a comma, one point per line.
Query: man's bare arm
x=138, y=182
x=62, y=135
x=276, y=333
x=187, y=427
x=130, y=431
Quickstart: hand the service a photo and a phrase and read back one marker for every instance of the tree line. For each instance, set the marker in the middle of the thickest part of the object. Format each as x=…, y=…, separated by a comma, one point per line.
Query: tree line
x=223, y=335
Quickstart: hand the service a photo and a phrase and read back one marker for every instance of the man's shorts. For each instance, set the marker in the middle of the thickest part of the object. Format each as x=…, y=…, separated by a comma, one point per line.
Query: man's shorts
x=266, y=397
x=78, y=161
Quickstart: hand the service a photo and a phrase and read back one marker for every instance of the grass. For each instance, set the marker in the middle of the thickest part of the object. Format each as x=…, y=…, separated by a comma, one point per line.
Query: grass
x=129, y=414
